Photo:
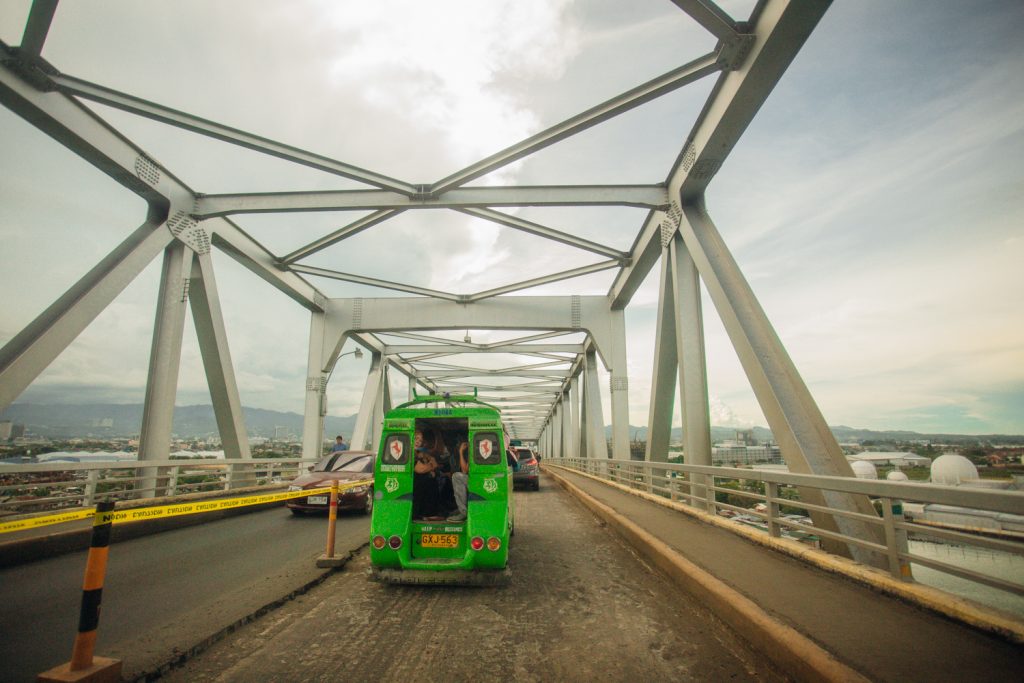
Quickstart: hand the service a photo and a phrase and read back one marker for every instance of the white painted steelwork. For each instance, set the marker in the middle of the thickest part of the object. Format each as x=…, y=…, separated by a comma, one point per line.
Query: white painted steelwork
x=554, y=385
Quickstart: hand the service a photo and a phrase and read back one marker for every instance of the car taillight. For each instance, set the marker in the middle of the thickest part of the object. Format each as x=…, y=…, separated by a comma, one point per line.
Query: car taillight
x=493, y=543
x=379, y=542
x=395, y=542
x=477, y=543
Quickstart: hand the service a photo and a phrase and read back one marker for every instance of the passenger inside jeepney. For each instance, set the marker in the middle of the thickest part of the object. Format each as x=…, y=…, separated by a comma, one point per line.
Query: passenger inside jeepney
x=425, y=493
x=460, y=484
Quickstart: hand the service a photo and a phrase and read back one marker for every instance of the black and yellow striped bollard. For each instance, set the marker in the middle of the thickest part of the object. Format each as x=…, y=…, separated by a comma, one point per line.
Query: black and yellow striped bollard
x=84, y=667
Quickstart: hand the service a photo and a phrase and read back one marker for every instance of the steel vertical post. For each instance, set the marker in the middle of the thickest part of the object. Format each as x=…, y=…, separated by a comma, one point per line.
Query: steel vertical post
x=164, y=364
x=316, y=385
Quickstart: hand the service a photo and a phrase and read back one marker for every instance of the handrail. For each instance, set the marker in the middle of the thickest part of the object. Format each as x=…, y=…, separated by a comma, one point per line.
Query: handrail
x=82, y=483
x=697, y=485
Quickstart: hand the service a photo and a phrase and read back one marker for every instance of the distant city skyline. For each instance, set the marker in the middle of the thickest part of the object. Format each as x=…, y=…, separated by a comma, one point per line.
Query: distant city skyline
x=875, y=204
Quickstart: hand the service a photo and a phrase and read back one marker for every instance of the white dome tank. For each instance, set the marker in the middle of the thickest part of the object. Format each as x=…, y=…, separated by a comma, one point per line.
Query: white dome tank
x=953, y=469
x=864, y=470
x=896, y=475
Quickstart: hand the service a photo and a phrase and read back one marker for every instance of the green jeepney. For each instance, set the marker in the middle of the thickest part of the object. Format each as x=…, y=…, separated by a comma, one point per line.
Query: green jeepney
x=404, y=549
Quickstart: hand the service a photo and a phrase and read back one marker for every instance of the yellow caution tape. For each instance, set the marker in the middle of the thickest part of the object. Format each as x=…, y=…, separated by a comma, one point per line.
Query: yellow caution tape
x=164, y=511
x=33, y=522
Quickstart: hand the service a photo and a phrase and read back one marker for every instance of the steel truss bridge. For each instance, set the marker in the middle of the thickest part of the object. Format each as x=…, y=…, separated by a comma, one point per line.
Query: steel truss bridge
x=560, y=345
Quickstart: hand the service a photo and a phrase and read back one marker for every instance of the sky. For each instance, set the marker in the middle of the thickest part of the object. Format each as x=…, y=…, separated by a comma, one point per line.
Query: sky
x=875, y=204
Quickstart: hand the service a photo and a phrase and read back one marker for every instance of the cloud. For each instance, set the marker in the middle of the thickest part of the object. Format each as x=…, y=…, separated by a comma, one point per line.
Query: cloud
x=873, y=204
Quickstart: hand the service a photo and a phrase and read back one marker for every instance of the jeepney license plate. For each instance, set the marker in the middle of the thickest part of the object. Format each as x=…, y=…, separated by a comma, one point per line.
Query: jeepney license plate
x=317, y=500
x=439, y=540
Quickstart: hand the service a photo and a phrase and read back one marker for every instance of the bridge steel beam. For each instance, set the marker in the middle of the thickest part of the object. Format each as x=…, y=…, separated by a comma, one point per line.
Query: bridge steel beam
x=381, y=406
x=689, y=342
x=641, y=196
x=597, y=444
x=213, y=347
x=362, y=434
x=353, y=228
x=547, y=233
x=805, y=440
x=578, y=446
x=316, y=390
x=525, y=349
x=569, y=440
x=587, y=314
x=38, y=25
x=666, y=361
x=679, y=345
x=164, y=363
x=619, y=385
x=156, y=112
x=778, y=31
x=556, y=430
x=708, y=15
x=673, y=80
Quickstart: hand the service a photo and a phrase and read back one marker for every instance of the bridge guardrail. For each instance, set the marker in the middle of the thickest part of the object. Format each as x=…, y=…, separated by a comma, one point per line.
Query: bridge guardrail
x=705, y=488
x=44, y=487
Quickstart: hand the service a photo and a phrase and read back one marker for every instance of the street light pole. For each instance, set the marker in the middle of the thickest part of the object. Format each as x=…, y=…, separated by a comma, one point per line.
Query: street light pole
x=358, y=353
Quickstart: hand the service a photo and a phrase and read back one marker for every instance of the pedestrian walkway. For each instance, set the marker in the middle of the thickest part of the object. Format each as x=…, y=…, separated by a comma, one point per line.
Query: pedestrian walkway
x=883, y=637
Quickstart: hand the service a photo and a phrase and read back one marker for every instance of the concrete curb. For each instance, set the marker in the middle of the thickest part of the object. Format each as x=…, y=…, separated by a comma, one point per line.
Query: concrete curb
x=791, y=651
x=182, y=658
x=937, y=601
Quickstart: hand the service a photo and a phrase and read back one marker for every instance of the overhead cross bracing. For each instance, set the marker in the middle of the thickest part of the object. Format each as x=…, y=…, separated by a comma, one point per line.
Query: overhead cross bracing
x=552, y=328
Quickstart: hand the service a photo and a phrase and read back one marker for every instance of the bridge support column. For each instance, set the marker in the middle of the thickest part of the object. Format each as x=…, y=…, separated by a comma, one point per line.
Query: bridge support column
x=363, y=432
x=316, y=390
x=693, y=379
x=164, y=364
x=381, y=404
x=556, y=431
x=576, y=445
x=805, y=440
x=581, y=391
x=220, y=372
x=568, y=446
x=619, y=384
x=597, y=443
x=666, y=361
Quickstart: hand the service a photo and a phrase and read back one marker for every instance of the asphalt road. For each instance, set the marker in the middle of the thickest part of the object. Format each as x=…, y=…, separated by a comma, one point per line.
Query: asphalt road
x=581, y=606
x=164, y=593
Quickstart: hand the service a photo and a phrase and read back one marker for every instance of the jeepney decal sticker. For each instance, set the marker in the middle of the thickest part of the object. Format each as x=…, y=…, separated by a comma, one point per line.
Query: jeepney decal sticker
x=490, y=485
x=392, y=468
x=391, y=484
x=396, y=447
x=485, y=448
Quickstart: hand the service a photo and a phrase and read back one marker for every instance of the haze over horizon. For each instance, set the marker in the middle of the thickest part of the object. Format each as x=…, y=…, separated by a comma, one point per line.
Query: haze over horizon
x=19, y=406
x=875, y=204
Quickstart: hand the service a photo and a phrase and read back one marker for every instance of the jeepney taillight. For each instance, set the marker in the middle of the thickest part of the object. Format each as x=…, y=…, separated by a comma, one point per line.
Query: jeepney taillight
x=493, y=543
x=477, y=543
x=379, y=542
x=395, y=542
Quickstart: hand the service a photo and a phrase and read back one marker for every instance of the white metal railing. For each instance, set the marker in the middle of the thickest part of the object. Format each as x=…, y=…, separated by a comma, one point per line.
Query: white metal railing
x=709, y=489
x=26, y=489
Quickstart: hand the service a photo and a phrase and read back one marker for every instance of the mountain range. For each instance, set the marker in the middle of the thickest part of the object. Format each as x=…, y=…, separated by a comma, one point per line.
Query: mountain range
x=125, y=420
x=196, y=421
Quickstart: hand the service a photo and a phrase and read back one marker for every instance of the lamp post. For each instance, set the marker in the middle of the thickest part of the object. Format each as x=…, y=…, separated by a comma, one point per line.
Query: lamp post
x=358, y=353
